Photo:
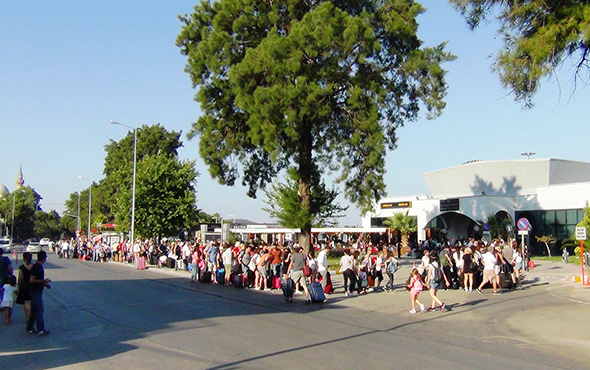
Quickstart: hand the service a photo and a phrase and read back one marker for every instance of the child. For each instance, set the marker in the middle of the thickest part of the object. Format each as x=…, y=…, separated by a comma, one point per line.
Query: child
x=8, y=299
x=415, y=285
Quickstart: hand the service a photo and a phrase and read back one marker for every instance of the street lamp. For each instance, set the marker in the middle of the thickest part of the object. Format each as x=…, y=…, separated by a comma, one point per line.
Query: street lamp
x=89, y=204
x=12, y=222
x=132, y=231
x=78, y=225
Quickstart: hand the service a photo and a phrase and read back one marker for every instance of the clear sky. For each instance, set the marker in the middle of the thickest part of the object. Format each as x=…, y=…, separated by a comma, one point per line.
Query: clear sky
x=67, y=68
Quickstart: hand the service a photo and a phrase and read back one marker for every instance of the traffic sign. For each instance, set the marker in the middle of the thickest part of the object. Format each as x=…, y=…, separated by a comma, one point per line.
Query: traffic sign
x=581, y=233
x=523, y=232
x=486, y=227
x=524, y=224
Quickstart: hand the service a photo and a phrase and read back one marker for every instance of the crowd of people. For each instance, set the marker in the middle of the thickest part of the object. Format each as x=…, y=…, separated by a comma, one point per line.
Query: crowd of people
x=457, y=264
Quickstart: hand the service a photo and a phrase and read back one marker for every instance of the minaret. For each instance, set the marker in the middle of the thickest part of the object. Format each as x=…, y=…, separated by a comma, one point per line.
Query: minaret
x=20, y=180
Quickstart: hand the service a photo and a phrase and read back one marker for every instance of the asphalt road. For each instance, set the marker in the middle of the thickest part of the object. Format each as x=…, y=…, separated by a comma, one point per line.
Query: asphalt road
x=113, y=316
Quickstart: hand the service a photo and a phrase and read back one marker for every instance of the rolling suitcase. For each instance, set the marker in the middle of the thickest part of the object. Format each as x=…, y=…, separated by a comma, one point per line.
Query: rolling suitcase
x=276, y=282
x=505, y=280
x=288, y=289
x=206, y=277
x=316, y=293
x=170, y=263
x=238, y=281
x=220, y=276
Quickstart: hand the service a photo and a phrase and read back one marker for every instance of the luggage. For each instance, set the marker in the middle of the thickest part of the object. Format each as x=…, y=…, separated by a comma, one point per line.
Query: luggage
x=170, y=263
x=370, y=281
x=238, y=281
x=505, y=280
x=329, y=289
x=362, y=283
x=288, y=289
x=220, y=276
x=276, y=282
x=206, y=277
x=316, y=293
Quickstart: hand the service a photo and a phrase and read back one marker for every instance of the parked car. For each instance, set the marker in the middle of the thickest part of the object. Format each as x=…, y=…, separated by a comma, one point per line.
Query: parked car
x=45, y=242
x=5, y=244
x=33, y=247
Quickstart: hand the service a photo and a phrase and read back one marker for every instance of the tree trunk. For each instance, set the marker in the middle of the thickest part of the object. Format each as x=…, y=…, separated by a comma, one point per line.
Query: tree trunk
x=305, y=174
x=548, y=249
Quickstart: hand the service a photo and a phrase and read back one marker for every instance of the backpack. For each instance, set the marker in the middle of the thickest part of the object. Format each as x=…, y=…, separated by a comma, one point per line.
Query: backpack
x=392, y=267
x=437, y=275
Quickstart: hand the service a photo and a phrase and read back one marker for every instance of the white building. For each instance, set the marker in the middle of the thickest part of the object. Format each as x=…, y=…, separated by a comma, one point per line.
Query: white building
x=550, y=193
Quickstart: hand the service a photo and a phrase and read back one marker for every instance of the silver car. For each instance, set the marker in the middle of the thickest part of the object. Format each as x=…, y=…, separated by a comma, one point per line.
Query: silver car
x=33, y=247
x=5, y=244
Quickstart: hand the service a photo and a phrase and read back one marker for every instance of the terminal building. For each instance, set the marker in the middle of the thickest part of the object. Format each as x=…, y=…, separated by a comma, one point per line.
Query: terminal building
x=550, y=193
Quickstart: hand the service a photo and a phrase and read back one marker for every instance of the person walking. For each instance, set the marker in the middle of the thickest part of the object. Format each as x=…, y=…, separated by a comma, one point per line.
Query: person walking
x=469, y=267
x=8, y=297
x=37, y=283
x=295, y=269
x=391, y=266
x=489, y=271
x=434, y=279
x=415, y=286
x=347, y=268
x=24, y=276
x=322, y=265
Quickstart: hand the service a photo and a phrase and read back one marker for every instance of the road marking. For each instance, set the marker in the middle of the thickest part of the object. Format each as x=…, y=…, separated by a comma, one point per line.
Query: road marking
x=16, y=353
x=550, y=290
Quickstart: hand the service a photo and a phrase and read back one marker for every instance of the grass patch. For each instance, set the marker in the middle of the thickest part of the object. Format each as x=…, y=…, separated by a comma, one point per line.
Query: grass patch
x=571, y=259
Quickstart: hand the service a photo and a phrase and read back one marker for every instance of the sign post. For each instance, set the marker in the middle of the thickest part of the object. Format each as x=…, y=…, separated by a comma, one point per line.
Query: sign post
x=524, y=226
x=581, y=235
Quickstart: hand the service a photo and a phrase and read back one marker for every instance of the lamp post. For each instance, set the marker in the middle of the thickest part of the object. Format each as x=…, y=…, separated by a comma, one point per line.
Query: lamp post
x=132, y=231
x=12, y=222
x=89, y=205
x=78, y=225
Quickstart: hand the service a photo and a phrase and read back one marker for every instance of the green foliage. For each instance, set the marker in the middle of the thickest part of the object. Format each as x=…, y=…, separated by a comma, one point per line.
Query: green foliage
x=26, y=203
x=285, y=205
x=308, y=86
x=539, y=35
x=401, y=222
x=165, y=199
x=498, y=226
x=47, y=224
x=586, y=220
x=404, y=224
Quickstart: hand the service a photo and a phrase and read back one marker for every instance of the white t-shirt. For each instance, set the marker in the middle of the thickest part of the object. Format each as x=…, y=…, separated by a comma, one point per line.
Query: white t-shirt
x=322, y=261
x=489, y=261
x=346, y=262
x=9, y=295
x=227, y=256
x=378, y=263
x=254, y=261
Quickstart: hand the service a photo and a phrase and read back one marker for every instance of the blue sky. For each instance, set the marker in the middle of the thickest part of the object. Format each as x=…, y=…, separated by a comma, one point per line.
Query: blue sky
x=67, y=68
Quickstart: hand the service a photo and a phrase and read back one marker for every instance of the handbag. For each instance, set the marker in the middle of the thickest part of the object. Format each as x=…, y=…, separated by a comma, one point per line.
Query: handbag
x=306, y=271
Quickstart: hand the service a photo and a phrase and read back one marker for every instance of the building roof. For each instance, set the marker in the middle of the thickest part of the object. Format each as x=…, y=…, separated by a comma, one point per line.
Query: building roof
x=508, y=177
x=3, y=190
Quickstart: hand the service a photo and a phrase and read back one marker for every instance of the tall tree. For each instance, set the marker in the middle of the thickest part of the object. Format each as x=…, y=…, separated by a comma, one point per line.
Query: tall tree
x=308, y=86
x=26, y=203
x=165, y=197
x=539, y=36
x=284, y=204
